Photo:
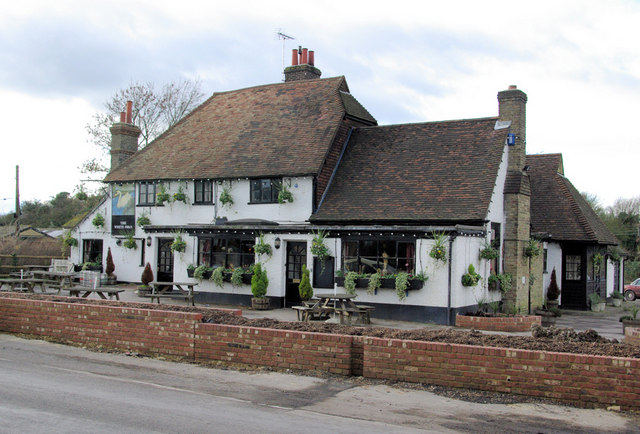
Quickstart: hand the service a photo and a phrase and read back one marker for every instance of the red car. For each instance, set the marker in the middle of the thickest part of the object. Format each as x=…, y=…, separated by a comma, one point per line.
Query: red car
x=632, y=290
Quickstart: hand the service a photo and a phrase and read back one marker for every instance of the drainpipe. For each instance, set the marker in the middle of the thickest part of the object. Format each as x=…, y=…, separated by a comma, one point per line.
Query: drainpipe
x=215, y=201
x=449, y=309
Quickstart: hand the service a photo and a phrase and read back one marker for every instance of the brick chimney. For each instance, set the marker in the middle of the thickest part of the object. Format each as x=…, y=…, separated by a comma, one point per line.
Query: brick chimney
x=517, y=206
x=512, y=107
x=124, y=138
x=302, y=67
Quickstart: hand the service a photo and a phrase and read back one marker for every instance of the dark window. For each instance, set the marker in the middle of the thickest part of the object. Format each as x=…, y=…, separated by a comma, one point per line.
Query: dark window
x=545, y=259
x=146, y=193
x=92, y=251
x=203, y=192
x=265, y=190
x=226, y=252
x=386, y=256
x=573, y=269
x=495, y=243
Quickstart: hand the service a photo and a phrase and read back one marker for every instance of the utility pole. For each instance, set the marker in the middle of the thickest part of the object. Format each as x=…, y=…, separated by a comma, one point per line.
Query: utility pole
x=17, y=200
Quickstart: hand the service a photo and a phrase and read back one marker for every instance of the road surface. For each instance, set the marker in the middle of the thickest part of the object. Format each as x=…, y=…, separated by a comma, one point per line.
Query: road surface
x=53, y=388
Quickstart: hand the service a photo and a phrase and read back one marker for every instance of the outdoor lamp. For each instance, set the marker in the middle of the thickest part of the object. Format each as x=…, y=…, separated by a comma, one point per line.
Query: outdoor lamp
x=148, y=241
x=277, y=243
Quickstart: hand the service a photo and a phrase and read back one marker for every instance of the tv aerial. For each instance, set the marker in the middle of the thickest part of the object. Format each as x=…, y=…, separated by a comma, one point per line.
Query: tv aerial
x=284, y=38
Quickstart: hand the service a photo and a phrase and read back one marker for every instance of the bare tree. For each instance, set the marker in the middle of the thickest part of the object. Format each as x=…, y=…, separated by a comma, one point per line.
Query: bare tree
x=153, y=112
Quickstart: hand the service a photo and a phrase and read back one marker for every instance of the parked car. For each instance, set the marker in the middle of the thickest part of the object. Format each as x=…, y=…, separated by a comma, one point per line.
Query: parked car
x=632, y=290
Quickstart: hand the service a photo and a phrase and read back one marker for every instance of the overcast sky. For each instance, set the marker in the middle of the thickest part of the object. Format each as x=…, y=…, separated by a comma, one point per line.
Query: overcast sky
x=578, y=62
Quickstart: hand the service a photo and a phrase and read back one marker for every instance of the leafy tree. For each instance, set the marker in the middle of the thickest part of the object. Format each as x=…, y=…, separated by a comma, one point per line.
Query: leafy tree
x=154, y=110
x=259, y=281
x=110, y=265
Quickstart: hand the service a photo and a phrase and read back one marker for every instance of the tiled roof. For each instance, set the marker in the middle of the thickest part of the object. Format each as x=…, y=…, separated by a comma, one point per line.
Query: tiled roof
x=428, y=172
x=558, y=209
x=272, y=130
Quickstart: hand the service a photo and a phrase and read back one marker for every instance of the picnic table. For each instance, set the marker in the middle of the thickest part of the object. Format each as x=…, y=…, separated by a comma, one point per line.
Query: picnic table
x=161, y=290
x=57, y=279
x=339, y=303
x=75, y=291
x=23, y=284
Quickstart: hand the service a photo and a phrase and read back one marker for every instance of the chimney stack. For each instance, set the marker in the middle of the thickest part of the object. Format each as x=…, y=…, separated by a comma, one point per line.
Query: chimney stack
x=512, y=105
x=302, y=66
x=124, y=137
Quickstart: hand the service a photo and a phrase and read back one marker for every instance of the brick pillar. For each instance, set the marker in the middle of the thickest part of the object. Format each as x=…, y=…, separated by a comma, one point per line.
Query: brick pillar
x=512, y=107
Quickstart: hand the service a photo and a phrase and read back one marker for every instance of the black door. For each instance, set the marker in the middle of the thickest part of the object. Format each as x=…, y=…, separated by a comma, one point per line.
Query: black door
x=165, y=260
x=296, y=258
x=574, y=279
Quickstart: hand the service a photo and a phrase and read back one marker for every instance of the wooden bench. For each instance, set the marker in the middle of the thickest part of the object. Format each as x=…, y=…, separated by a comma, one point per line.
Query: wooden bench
x=307, y=313
x=75, y=291
x=362, y=314
x=184, y=297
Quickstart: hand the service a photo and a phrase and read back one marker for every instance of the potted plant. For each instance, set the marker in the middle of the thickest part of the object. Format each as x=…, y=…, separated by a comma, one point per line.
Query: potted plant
x=616, y=298
x=145, y=278
x=439, y=249
x=180, y=195
x=339, y=278
x=98, y=221
x=236, y=276
x=374, y=283
x=130, y=243
x=548, y=314
x=225, y=197
x=190, y=270
x=488, y=252
x=217, y=276
x=597, y=259
x=553, y=291
x=143, y=220
x=162, y=196
x=493, y=282
x=402, y=285
x=202, y=272
x=111, y=278
x=68, y=240
x=350, y=282
x=285, y=195
x=304, y=288
x=471, y=278
x=259, y=285
x=178, y=245
x=597, y=305
x=532, y=249
x=630, y=320
x=261, y=247
x=319, y=248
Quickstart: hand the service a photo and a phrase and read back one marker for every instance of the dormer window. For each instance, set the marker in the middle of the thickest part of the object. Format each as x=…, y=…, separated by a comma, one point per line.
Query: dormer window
x=265, y=190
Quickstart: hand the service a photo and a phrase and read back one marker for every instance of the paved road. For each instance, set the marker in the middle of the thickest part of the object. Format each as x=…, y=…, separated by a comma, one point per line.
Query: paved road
x=52, y=388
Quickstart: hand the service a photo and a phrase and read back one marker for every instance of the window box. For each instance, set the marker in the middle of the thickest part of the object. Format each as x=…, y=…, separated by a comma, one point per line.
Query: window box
x=414, y=284
x=246, y=277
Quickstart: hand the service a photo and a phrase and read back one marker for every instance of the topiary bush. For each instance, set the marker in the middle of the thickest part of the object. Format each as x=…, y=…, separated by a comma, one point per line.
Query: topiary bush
x=147, y=275
x=305, y=289
x=259, y=281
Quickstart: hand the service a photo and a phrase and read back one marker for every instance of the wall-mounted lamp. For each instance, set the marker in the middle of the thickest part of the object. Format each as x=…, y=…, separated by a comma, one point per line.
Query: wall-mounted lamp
x=277, y=243
x=148, y=241
x=119, y=242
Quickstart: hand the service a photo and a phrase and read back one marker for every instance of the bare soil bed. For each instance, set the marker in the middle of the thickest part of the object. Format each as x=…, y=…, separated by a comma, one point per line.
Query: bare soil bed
x=543, y=339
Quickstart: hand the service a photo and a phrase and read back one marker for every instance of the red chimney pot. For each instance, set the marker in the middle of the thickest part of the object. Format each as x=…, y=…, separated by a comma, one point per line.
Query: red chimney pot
x=304, y=56
x=123, y=117
x=294, y=57
x=311, y=58
x=129, y=114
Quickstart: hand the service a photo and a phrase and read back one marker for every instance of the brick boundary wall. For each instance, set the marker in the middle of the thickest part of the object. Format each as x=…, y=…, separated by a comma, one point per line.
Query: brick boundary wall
x=283, y=349
x=145, y=331
x=632, y=335
x=581, y=380
x=520, y=323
